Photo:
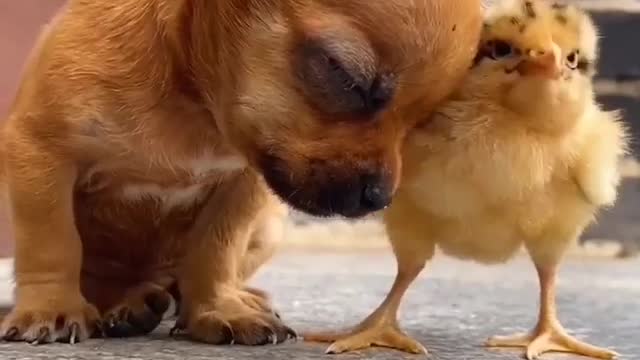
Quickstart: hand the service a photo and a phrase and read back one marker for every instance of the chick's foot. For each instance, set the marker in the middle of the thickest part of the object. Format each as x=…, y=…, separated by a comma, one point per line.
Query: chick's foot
x=382, y=335
x=550, y=339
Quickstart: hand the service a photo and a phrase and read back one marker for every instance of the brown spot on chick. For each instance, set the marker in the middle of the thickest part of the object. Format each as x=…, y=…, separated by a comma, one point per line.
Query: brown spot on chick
x=529, y=10
x=559, y=6
x=562, y=19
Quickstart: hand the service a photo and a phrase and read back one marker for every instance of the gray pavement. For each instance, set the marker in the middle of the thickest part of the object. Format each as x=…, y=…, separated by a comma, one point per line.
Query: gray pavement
x=621, y=223
x=451, y=309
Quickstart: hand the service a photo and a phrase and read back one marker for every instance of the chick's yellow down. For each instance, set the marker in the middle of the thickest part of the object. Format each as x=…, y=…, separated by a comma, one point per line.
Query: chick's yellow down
x=520, y=155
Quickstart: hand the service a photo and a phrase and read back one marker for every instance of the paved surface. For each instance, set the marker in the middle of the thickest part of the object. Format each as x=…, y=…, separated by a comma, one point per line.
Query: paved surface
x=451, y=309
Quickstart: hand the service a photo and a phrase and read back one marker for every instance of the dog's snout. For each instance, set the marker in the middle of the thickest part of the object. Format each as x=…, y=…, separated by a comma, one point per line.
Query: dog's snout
x=376, y=194
x=328, y=191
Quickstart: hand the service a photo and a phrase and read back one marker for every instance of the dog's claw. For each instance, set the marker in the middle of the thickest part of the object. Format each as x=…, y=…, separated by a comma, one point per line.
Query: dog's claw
x=11, y=334
x=291, y=334
x=73, y=330
x=43, y=335
x=272, y=338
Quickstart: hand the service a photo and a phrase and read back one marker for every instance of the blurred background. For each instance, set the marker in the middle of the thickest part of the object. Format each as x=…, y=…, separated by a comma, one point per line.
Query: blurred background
x=618, y=231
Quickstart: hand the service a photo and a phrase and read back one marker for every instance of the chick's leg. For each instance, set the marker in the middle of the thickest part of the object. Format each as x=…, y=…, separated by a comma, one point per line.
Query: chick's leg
x=378, y=329
x=381, y=327
x=549, y=335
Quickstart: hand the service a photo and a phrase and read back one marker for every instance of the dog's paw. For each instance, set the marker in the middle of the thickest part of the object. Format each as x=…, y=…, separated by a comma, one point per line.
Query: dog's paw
x=239, y=317
x=251, y=328
x=140, y=312
x=257, y=299
x=71, y=321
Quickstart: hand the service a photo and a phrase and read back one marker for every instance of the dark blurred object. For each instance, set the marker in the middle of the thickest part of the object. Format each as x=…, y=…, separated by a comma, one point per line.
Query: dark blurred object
x=620, y=59
x=620, y=224
x=20, y=24
x=630, y=107
x=620, y=62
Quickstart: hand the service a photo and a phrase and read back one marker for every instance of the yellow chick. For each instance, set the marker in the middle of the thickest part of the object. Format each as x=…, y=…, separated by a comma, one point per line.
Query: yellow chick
x=520, y=155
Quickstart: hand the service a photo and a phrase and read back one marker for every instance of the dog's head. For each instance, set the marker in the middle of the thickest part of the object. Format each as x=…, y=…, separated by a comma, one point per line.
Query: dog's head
x=326, y=89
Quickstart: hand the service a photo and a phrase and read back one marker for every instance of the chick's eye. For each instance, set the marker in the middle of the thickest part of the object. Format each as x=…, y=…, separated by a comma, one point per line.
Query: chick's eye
x=500, y=49
x=572, y=60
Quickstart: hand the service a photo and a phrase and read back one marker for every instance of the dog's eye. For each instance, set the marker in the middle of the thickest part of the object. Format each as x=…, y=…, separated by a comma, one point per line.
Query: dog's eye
x=339, y=89
x=573, y=60
x=499, y=49
x=371, y=96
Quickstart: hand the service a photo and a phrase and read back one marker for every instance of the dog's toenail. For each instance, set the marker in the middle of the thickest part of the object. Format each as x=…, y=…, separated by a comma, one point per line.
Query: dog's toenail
x=43, y=336
x=228, y=336
x=11, y=334
x=291, y=334
x=74, y=330
x=271, y=338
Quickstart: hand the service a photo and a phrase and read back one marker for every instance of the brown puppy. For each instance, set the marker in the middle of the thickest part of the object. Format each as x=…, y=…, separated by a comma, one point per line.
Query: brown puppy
x=146, y=135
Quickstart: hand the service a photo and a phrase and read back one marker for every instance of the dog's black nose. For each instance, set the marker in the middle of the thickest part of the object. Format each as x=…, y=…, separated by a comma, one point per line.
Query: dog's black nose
x=376, y=193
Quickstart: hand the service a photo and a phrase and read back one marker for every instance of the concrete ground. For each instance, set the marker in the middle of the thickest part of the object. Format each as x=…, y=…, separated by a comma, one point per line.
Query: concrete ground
x=451, y=309
x=455, y=305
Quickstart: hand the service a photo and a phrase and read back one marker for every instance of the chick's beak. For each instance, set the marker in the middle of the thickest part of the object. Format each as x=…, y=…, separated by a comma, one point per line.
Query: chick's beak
x=540, y=63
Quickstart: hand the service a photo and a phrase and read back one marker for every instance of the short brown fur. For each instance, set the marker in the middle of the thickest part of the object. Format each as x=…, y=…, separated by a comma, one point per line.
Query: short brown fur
x=137, y=149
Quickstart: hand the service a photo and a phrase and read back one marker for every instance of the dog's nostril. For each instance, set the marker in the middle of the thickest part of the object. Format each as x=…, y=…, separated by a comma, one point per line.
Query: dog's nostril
x=376, y=195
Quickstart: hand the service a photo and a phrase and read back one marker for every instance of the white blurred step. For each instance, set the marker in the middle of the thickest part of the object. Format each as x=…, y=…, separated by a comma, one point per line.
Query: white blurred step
x=6, y=282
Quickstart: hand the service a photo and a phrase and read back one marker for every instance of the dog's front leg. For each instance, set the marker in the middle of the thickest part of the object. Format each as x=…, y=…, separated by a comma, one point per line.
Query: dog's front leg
x=216, y=307
x=48, y=256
